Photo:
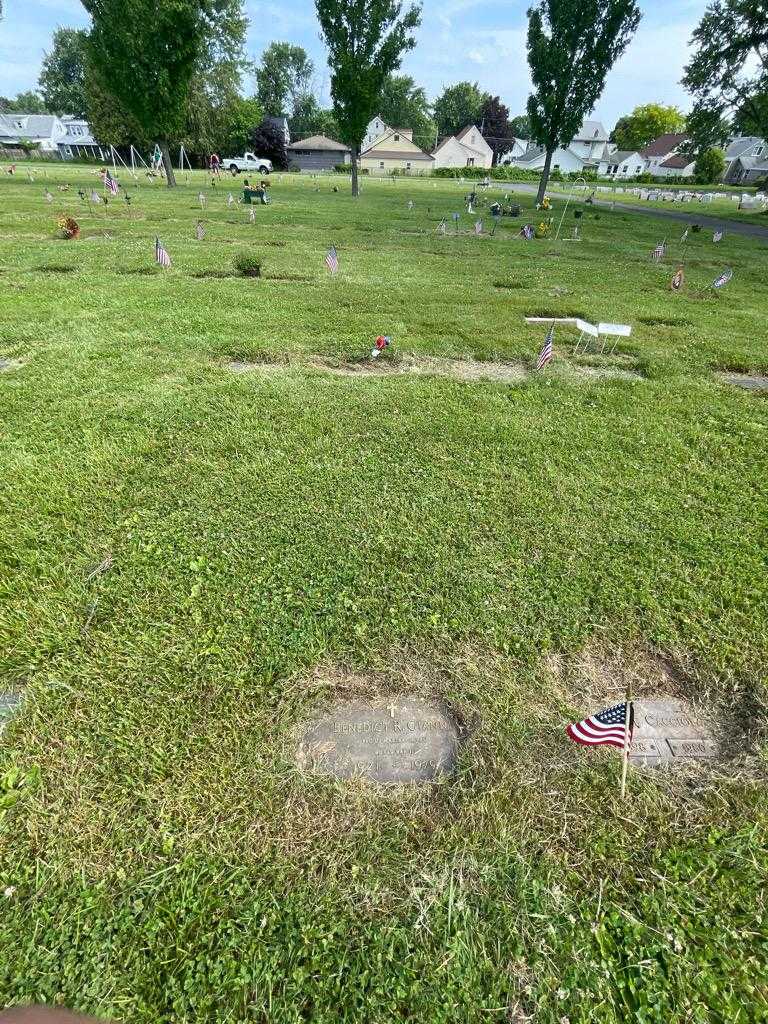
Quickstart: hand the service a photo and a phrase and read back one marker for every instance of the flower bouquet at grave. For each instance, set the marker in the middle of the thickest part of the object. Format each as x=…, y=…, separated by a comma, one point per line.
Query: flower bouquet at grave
x=68, y=227
x=381, y=344
x=545, y=204
x=544, y=230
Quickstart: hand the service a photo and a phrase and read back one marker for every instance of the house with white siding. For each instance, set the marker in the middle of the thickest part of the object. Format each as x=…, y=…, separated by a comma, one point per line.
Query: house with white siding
x=396, y=151
x=468, y=148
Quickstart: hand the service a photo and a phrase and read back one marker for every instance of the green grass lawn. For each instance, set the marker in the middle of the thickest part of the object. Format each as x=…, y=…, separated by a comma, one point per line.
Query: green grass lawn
x=520, y=550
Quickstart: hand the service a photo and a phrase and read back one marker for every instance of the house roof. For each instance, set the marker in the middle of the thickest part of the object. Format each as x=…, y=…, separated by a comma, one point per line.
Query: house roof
x=664, y=145
x=34, y=126
x=466, y=130
x=737, y=147
x=591, y=131
x=417, y=153
x=620, y=155
x=320, y=143
x=753, y=163
x=677, y=162
x=395, y=154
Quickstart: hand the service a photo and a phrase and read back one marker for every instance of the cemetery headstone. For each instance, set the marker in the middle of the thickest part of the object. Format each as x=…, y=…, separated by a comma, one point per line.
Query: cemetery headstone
x=405, y=740
x=746, y=381
x=668, y=732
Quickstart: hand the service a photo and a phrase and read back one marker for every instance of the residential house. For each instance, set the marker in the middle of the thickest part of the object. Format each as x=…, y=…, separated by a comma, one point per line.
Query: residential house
x=590, y=144
x=78, y=141
x=395, y=150
x=676, y=166
x=466, y=149
x=563, y=160
x=318, y=153
x=623, y=164
x=44, y=129
x=376, y=128
x=517, y=148
x=745, y=160
x=660, y=150
x=63, y=137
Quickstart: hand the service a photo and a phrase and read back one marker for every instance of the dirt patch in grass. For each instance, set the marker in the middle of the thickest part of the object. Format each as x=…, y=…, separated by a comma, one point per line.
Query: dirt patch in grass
x=405, y=365
x=460, y=369
x=745, y=381
x=277, y=244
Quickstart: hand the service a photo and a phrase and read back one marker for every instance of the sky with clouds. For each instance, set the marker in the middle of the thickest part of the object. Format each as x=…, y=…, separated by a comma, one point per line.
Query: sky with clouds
x=480, y=40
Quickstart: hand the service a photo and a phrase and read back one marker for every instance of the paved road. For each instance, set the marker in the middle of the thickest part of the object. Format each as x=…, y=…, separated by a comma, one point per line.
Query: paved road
x=733, y=227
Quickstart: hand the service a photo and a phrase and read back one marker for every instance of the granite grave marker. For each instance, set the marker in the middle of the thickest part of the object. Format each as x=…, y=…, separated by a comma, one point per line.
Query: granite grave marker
x=406, y=739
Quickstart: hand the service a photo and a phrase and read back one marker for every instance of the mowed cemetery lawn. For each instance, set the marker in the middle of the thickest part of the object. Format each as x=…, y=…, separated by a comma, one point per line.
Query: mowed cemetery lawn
x=196, y=560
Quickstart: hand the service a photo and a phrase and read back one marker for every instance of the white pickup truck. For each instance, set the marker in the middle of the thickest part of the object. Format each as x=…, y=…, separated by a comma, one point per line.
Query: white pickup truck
x=247, y=162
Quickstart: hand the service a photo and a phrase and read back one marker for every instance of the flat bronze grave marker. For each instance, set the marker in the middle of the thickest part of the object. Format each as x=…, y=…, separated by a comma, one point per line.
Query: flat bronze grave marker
x=668, y=731
x=749, y=382
x=407, y=739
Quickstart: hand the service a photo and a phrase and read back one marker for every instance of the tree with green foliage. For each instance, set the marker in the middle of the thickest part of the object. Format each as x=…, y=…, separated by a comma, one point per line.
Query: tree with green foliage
x=268, y=140
x=457, y=106
x=282, y=78
x=647, y=122
x=709, y=166
x=751, y=118
x=497, y=131
x=520, y=126
x=366, y=40
x=62, y=76
x=28, y=102
x=144, y=53
x=572, y=45
x=214, y=104
x=309, y=118
x=728, y=73
x=403, y=104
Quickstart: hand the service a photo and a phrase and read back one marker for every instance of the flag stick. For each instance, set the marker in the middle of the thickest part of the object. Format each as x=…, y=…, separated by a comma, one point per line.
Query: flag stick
x=627, y=737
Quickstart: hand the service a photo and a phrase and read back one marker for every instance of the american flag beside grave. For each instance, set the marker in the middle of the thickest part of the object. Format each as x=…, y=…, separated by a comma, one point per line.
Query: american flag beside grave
x=161, y=254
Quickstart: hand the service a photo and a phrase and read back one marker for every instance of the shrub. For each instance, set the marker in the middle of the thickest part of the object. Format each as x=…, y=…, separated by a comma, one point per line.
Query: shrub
x=347, y=169
x=248, y=265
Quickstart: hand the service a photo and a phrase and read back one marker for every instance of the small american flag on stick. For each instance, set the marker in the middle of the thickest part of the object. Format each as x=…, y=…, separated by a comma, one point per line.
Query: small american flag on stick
x=332, y=260
x=717, y=236
x=110, y=183
x=659, y=251
x=609, y=727
x=547, y=352
x=161, y=254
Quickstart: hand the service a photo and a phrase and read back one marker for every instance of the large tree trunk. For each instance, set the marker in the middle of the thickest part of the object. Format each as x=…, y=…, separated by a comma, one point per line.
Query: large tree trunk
x=544, y=180
x=355, y=183
x=170, y=177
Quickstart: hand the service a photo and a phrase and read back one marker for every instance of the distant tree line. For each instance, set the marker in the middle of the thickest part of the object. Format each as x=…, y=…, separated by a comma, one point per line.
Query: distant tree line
x=173, y=72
